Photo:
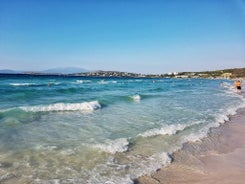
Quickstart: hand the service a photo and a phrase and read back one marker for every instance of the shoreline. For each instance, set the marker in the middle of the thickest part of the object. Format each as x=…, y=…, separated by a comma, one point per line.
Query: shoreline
x=218, y=158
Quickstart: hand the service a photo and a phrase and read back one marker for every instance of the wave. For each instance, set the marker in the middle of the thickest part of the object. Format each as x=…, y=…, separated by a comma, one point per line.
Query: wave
x=168, y=129
x=34, y=84
x=230, y=89
x=83, y=81
x=85, y=106
x=220, y=118
x=201, y=133
x=172, y=129
x=107, y=82
x=112, y=99
x=154, y=162
x=136, y=97
x=226, y=85
x=22, y=84
x=114, y=146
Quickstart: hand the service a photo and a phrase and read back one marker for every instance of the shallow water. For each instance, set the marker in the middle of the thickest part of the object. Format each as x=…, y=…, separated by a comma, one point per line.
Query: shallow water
x=94, y=130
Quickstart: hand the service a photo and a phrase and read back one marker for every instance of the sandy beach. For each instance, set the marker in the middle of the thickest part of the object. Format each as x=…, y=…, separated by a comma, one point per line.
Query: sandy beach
x=217, y=159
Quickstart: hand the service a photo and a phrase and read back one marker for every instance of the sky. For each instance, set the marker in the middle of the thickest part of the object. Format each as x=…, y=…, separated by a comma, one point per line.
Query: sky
x=142, y=36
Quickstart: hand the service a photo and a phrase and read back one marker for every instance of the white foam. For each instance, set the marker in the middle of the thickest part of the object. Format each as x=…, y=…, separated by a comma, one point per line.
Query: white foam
x=231, y=90
x=136, y=97
x=34, y=84
x=168, y=129
x=67, y=152
x=41, y=181
x=151, y=164
x=79, y=81
x=202, y=133
x=83, y=81
x=220, y=118
x=157, y=161
x=85, y=106
x=22, y=84
x=56, y=83
x=223, y=116
x=107, y=82
x=43, y=147
x=193, y=137
x=199, y=134
x=138, y=80
x=226, y=85
x=113, y=146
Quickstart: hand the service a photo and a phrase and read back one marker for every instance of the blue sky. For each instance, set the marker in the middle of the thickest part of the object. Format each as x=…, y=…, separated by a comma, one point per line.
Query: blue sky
x=145, y=36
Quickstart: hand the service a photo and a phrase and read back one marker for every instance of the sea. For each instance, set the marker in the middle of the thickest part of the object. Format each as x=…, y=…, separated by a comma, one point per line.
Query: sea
x=83, y=130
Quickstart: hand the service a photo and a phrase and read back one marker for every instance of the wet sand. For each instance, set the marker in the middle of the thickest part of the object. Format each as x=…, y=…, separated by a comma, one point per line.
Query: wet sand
x=217, y=159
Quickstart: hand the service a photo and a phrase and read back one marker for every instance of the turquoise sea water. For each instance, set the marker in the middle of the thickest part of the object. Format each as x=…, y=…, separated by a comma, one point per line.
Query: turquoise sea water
x=103, y=130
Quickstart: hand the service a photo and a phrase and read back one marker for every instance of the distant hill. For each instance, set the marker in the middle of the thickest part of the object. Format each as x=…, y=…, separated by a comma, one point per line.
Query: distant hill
x=7, y=71
x=64, y=70
x=61, y=70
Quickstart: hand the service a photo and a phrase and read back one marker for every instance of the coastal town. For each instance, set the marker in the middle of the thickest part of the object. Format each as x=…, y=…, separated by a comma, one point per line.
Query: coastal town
x=217, y=74
x=228, y=73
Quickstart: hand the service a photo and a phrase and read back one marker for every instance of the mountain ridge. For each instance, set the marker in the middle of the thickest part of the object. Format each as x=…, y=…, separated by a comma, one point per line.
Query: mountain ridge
x=58, y=70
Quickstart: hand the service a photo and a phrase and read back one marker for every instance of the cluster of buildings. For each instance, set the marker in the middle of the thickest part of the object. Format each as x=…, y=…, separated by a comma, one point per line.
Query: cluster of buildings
x=197, y=75
x=168, y=75
x=116, y=74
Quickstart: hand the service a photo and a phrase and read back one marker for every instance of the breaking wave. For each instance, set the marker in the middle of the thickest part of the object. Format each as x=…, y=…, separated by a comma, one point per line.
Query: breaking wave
x=168, y=129
x=136, y=97
x=113, y=146
x=23, y=84
x=83, y=81
x=29, y=84
x=85, y=106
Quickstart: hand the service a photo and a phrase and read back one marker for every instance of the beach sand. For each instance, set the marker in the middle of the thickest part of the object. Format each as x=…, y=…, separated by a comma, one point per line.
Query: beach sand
x=217, y=159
